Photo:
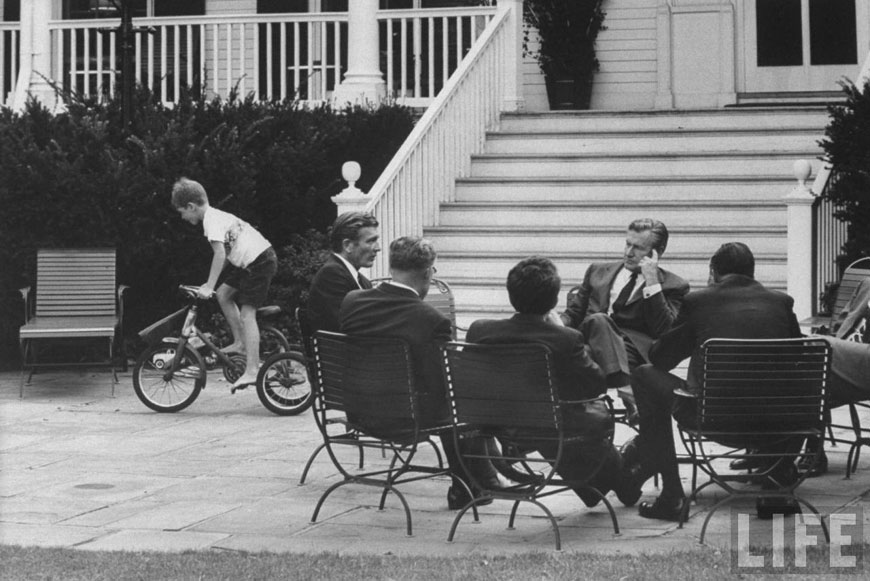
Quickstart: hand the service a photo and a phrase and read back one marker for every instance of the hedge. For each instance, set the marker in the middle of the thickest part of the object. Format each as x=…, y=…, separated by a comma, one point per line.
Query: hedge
x=847, y=149
x=79, y=179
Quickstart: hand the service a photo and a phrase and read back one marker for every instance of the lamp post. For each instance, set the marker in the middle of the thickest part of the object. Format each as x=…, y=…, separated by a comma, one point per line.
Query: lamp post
x=126, y=34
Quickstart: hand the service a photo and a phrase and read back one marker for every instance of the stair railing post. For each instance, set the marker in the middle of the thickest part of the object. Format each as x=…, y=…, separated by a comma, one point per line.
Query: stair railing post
x=800, y=257
x=351, y=198
x=513, y=99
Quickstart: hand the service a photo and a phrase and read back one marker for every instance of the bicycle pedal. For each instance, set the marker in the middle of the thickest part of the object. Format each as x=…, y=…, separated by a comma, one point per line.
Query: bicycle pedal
x=236, y=388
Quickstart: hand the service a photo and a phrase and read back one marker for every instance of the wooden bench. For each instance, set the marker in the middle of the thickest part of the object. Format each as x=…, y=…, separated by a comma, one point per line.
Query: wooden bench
x=76, y=298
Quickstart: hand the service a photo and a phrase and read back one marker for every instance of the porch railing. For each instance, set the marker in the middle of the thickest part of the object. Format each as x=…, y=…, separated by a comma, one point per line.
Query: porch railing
x=10, y=60
x=421, y=48
x=423, y=172
x=829, y=233
x=272, y=57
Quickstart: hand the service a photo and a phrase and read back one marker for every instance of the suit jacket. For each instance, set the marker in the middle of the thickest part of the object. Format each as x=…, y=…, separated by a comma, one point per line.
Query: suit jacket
x=576, y=375
x=328, y=288
x=642, y=320
x=393, y=311
x=737, y=307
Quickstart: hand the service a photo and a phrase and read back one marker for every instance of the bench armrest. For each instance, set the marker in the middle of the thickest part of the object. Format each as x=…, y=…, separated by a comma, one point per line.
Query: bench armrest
x=25, y=294
x=122, y=288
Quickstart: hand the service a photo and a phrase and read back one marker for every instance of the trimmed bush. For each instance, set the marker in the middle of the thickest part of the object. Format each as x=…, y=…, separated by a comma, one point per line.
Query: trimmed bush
x=77, y=179
x=847, y=148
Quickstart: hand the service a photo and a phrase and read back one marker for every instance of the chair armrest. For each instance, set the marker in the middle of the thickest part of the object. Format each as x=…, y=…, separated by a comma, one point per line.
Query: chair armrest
x=25, y=294
x=122, y=288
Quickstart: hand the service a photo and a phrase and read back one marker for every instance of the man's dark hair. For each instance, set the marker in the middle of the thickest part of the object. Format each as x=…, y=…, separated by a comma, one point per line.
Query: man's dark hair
x=347, y=227
x=533, y=285
x=733, y=258
x=411, y=254
x=658, y=229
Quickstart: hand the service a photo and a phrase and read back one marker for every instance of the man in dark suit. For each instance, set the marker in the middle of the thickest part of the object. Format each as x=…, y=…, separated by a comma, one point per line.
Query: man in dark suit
x=533, y=287
x=621, y=307
x=850, y=365
x=354, y=243
x=396, y=309
x=735, y=306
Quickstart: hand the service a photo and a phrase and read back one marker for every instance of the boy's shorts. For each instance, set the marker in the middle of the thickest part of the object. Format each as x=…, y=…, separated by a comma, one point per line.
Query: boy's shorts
x=253, y=281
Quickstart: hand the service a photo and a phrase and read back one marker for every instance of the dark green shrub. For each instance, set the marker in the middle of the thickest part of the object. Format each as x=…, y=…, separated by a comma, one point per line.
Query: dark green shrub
x=847, y=148
x=78, y=179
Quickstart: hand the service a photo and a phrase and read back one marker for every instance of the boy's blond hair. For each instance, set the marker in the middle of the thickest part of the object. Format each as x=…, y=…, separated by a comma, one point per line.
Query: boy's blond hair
x=186, y=191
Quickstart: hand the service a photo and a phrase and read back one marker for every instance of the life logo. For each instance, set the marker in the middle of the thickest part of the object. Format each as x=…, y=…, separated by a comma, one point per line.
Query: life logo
x=798, y=544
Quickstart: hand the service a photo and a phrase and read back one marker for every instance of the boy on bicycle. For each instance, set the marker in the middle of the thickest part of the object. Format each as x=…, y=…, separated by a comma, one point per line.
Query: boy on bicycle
x=242, y=286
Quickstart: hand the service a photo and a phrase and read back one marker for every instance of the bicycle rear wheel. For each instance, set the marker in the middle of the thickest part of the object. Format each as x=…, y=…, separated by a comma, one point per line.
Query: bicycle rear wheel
x=283, y=385
x=180, y=389
x=272, y=341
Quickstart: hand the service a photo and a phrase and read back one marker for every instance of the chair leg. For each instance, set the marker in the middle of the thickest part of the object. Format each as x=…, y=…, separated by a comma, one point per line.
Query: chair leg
x=310, y=462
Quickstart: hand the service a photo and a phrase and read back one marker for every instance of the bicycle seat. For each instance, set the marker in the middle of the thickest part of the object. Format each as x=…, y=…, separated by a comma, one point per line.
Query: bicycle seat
x=269, y=311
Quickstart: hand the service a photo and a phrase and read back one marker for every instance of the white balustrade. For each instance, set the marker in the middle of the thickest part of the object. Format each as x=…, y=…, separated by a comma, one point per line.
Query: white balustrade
x=272, y=57
x=423, y=48
x=10, y=61
x=422, y=173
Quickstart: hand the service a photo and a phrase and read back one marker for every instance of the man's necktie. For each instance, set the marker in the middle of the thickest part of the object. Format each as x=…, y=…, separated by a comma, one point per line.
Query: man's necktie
x=625, y=293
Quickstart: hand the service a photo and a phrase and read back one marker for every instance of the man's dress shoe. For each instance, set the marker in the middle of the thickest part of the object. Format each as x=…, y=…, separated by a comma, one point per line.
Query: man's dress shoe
x=662, y=509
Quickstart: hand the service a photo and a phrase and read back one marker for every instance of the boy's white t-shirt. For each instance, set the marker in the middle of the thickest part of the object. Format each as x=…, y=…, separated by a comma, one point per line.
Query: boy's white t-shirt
x=242, y=243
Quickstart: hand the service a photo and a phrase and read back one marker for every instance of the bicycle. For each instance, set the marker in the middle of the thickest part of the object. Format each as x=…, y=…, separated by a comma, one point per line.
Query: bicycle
x=169, y=375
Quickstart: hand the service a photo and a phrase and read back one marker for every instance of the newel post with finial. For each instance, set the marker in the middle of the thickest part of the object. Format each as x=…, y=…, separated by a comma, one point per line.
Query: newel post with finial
x=800, y=258
x=351, y=198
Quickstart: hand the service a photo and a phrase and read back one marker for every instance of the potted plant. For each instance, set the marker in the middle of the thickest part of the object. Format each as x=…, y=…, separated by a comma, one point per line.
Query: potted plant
x=568, y=30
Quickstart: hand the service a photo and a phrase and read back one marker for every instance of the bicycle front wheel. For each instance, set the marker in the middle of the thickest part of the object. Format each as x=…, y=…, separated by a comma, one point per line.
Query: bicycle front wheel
x=283, y=385
x=176, y=391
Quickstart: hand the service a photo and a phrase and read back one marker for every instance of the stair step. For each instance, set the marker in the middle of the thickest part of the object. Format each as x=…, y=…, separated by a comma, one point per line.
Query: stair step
x=658, y=164
x=812, y=117
x=624, y=187
x=694, y=266
x=582, y=142
x=615, y=214
x=480, y=292
x=542, y=240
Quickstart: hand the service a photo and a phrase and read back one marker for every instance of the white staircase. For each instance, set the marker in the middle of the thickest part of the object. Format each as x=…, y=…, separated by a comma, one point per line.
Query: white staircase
x=566, y=184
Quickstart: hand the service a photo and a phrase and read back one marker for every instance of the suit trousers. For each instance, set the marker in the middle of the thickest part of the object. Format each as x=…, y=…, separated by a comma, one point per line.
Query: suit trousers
x=610, y=348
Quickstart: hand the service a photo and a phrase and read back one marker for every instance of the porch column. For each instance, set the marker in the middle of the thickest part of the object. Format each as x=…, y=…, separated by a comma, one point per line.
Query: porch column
x=35, y=56
x=363, y=81
x=514, y=100
x=799, y=264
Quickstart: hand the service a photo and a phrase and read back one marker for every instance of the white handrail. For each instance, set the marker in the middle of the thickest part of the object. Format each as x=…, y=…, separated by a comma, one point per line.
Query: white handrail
x=422, y=174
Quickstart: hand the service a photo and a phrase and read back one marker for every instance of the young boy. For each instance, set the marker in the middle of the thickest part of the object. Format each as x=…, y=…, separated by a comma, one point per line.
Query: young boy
x=252, y=264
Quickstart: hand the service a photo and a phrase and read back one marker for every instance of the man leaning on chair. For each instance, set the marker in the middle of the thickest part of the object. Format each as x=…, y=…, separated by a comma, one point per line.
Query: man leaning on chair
x=395, y=308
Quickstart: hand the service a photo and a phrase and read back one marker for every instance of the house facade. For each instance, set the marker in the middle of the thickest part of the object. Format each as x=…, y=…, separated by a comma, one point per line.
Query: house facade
x=700, y=110
x=654, y=54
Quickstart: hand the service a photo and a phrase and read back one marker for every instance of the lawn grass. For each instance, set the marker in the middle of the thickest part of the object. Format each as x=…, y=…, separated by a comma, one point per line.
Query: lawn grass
x=17, y=563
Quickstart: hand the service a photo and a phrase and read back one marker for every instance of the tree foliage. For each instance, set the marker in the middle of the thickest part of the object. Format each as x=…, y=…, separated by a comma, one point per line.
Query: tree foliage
x=847, y=149
x=78, y=179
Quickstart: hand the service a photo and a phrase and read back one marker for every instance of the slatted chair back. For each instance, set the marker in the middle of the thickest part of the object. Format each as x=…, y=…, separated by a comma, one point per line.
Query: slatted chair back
x=504, y=385
x=76, y=282
x=507, y=390
x=369, y=379
x=854, y=274
x=763, y=386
